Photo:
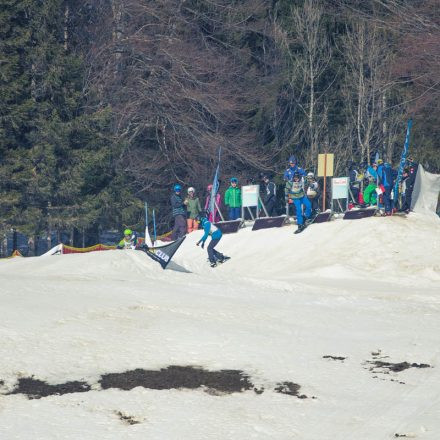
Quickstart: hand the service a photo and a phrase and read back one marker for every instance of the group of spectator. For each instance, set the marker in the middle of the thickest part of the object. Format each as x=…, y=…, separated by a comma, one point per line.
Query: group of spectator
x=187, y=210
x=301, y=189
x=369, y=185
x=373, y=185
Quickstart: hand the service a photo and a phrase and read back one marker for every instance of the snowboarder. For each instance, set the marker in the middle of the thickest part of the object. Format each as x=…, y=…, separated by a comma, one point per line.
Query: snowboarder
x=215, y=234
x=233, y=199
x=179, y=213
x=129, y=241
x=295, y=193
x=194, y=209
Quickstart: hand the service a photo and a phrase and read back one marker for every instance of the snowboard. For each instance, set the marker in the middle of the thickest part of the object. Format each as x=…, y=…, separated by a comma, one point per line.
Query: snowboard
x=321, y=217
x=355, y=214
x=298, y=231
x=221, y=262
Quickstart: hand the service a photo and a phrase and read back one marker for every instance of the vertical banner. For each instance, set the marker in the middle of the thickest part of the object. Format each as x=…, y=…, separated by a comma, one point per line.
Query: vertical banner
x=147, y=234
x=403, y=159
x=215, y=186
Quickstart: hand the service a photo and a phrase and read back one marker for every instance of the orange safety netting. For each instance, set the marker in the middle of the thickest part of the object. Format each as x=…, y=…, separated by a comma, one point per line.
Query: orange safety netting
x=14, y=254
x=96, y=247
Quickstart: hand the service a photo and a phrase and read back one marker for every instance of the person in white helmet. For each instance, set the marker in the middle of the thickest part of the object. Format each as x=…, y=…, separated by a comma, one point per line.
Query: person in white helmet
x=312, y=192
x=193, y=208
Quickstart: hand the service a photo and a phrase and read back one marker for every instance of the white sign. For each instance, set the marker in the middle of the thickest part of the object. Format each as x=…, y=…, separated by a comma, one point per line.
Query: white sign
x=340, y=188
x=249, y=195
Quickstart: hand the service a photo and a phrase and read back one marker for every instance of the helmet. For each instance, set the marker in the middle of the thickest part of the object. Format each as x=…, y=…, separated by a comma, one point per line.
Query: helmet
x=128, y=232
x=310, y=175
x=177, y=188
x=297, y=174
x=191, y=189
x=379, y=161
x=209, y=187
x=292, y=159
x=234, y=180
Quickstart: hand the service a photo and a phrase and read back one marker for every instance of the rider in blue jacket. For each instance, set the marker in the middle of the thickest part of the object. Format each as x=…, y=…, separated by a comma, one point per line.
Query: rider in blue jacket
x=215, y=234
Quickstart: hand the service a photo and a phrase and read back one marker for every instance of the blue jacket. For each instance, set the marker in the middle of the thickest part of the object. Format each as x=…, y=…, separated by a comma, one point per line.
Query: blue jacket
x=385, y=173
x=288, y=174
x=372, y=172
x=215, y=235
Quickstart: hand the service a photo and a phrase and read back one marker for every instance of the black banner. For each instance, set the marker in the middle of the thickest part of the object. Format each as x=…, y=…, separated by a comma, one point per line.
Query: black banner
x=355, y=214
x=269, y=222
x=229, y=226
x=163, y=254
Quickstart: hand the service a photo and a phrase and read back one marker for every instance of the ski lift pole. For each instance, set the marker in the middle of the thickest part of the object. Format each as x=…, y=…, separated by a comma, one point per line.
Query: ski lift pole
x=154, y=228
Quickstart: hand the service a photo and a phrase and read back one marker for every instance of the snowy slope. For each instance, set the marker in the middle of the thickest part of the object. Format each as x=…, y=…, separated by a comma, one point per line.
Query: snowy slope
x=366, y=291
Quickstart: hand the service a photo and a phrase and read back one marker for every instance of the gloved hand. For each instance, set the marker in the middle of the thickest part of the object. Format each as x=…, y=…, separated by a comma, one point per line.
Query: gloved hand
x=197, y=243
x=203, y=244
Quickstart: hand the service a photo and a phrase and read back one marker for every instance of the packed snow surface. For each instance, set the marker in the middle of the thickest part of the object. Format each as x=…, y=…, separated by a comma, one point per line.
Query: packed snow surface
x=348, y=311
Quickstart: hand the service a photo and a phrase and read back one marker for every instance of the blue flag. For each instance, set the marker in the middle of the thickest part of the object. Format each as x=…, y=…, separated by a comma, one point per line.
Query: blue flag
x=402, y=160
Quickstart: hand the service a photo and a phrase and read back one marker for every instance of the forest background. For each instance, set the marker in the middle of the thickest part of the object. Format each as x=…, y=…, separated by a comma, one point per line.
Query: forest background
x=107, y=103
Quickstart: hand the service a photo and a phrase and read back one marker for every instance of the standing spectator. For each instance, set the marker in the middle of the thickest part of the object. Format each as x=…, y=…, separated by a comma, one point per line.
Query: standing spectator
x=385, y=173
x=233, y=199
x=370, y=195
x=293, y=168
x=312, y=192
x=270, y=196
x=179, y=213
x=193, y=210
x=409, y=179
x=372, y=171
x=355, y=176
x=213, y=217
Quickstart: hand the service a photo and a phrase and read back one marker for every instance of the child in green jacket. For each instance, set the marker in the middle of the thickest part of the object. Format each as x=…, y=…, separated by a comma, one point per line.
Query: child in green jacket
x=233, y=199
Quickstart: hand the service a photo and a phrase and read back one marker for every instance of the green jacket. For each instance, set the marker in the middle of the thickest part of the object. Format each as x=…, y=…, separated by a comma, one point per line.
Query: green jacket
x=193, y=207
x=294, y=190
x=233, y=197
x=370, y=195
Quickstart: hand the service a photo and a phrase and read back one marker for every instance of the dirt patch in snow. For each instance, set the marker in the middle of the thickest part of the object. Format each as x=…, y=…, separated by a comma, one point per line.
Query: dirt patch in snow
x=396, y=367
x=126, y=419
x=216, y=383
x=291, y=389
x=35, y=389
x=224, y=381
x=334, y=358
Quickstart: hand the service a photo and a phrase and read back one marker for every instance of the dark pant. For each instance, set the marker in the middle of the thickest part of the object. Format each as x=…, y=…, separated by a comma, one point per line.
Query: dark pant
x=179, y=229
x=234, y=213
x=212, y=253
x=407, y=200
x=315, y=204
x=270, y=207
x=387, y=199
